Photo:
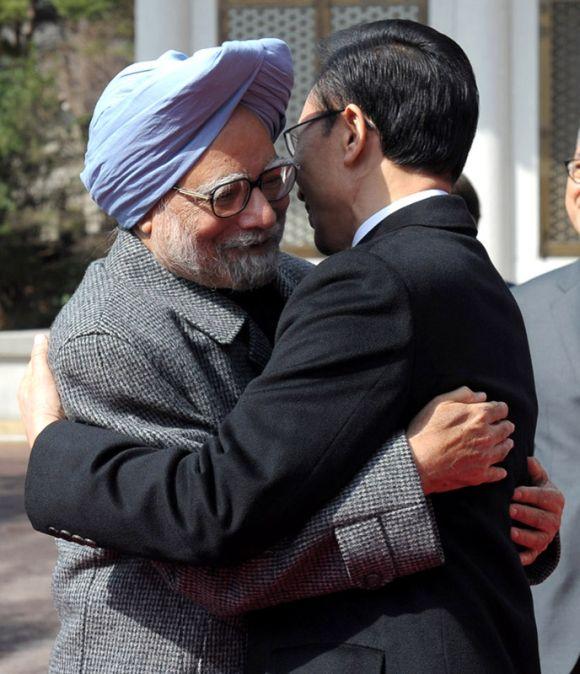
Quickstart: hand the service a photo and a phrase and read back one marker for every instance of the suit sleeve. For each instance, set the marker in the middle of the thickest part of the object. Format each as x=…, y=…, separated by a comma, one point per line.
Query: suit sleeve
x=335, y=389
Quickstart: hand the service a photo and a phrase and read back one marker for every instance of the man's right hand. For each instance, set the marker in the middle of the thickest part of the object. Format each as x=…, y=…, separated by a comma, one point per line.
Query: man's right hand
x=38, y=397
x=458, y=438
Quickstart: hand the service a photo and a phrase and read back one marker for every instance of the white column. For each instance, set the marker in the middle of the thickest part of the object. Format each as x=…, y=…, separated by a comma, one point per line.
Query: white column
x=442, y=16
x=159, y=26
x=203, y=24
x=483, y=29
x=526, y=137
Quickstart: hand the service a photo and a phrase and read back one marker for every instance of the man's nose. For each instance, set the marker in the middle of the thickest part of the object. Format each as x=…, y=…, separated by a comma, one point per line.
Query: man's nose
x=258, y=213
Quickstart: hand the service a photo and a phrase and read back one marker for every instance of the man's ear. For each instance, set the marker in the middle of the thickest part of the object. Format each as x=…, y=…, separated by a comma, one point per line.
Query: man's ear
x=356, y=138
x=143, y=229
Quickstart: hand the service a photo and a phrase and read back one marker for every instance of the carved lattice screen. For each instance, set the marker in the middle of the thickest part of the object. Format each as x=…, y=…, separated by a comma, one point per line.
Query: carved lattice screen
x=560, y=118
x=301, y=23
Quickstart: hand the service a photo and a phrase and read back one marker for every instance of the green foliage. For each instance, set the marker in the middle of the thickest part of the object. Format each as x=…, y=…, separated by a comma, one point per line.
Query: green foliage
x=28, y=110
x=35, y=275
x=12, y=11
x=44, y=247
x=84, y=9
x=38, y=277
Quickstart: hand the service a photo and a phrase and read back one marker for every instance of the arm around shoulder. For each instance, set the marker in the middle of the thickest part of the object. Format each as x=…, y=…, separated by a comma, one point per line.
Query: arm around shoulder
x=333, y=391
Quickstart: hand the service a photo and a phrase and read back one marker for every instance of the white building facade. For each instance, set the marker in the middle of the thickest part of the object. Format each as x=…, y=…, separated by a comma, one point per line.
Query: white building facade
x=503, y=41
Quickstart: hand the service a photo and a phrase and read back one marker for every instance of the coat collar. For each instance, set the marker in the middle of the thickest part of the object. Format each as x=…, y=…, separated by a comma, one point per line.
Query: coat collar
x=134, y=266
x=443, y=212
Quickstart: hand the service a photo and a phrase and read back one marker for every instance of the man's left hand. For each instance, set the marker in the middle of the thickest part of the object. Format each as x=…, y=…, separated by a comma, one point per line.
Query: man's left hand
x=539, y=507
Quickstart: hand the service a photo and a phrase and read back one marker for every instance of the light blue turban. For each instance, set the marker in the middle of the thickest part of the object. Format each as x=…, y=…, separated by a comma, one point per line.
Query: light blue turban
x=156, y=118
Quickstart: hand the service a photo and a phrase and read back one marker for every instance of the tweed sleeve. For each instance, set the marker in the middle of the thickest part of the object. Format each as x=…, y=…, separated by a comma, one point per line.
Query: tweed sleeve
x=378, y=528
x=104, y=380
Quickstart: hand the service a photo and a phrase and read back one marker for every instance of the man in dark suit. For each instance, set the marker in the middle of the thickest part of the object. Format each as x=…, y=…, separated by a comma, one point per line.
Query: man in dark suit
x=414, y=308
x=550, y=305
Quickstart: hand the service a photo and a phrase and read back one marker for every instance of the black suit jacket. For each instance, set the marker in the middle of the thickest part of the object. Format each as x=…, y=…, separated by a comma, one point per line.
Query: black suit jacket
x=365, y=341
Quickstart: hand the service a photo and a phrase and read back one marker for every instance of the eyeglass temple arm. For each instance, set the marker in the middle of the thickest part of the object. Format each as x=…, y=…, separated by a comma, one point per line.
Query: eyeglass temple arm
x=191, y=193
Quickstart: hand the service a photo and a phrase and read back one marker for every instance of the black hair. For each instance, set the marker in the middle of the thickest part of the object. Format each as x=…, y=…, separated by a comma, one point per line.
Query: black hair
x=415, y=84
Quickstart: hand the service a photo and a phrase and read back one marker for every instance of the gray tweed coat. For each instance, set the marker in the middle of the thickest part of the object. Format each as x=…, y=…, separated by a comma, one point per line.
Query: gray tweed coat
x=164, y=360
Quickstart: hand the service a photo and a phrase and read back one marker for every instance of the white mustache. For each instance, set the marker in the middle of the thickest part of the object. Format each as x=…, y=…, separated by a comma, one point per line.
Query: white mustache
x=246, y=239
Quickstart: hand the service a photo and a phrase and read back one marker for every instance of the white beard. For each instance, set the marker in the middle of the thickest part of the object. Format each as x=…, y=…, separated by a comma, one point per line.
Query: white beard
x=177, y=248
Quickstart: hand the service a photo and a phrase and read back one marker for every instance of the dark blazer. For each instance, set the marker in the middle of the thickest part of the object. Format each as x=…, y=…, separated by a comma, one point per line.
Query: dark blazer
x=365, y=341
x=550, y=305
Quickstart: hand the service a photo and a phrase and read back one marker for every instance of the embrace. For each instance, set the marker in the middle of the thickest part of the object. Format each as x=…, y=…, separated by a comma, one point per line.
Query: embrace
x=268, y=466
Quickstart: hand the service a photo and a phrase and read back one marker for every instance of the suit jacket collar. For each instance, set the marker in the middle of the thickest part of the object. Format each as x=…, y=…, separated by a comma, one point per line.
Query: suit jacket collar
x=443, y=212
x=209, y=311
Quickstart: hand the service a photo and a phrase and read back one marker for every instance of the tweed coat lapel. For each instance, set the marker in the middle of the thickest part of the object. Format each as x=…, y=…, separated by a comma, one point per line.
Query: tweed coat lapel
x=205, y=309
x=566, y=312
x=259, y=347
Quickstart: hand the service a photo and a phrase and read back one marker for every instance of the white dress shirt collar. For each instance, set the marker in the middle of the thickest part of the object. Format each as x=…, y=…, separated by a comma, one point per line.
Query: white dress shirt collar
x=370, y=223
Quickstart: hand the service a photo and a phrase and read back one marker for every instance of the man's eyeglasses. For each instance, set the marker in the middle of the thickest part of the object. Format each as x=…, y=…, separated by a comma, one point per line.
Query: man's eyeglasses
x=573, y=169
x=292, y=135
x=232, y=197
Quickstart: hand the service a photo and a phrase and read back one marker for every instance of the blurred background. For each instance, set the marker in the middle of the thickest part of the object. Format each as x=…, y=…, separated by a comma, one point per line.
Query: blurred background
x=57, y=56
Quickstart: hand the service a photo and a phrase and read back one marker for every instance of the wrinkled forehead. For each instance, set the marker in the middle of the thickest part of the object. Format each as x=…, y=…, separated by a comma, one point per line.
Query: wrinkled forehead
x=242, y=148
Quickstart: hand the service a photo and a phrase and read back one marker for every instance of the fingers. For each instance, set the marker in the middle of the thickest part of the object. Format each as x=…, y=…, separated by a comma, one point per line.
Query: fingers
x=27, y=374
x=39, y=354
x=527, y=557
x=499, y=451
x=38, y=398
x=24, y=385
x=463, y=394
x=494, y=474
x=534, y=517
x=495, y=411
x=487, y=412
x=535, y=541
x=41, y=374
x=480, y=419
x=544, y=498
x=501, y=430
x=537, y=473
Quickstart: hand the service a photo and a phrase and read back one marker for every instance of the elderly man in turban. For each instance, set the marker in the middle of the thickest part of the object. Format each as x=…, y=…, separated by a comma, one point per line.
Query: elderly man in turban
x=163, y=336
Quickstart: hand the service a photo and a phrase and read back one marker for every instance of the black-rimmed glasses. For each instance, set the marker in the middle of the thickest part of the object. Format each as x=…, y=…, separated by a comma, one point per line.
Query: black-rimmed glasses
x=573, y=169
x=230, y=198
x=292, y=135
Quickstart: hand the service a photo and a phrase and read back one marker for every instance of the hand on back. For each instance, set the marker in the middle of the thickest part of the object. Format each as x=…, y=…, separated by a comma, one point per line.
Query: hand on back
x=458, y=438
